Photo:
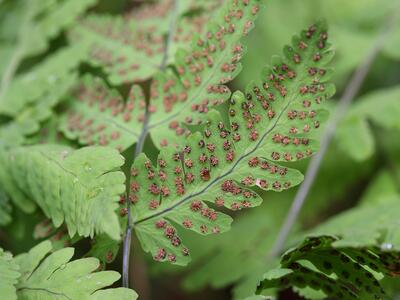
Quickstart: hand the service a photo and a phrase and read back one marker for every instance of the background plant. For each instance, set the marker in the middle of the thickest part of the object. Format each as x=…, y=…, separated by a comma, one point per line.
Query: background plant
x=91, y=88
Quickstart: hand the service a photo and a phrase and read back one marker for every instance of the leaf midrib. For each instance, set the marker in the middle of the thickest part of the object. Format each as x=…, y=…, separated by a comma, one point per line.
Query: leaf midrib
x=187, y=198
x=200, y=89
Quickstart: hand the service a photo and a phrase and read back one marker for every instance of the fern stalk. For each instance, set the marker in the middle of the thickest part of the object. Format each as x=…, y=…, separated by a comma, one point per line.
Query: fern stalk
x=350, y=92
x=139, y=149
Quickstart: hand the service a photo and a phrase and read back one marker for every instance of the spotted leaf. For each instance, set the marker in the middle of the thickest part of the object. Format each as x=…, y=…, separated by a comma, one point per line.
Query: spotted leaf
x=202, y=74
x=184, y=93
x=98, y=115
x=274, y=122
x=339, y=272
x=348, y=257
x=131, y=47
x=78, y=187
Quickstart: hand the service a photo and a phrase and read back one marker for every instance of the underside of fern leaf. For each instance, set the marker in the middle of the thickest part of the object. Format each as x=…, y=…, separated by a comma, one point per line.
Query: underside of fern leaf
x=98, y=115
x=273, y=123
x=183, y=94
x=131, y=47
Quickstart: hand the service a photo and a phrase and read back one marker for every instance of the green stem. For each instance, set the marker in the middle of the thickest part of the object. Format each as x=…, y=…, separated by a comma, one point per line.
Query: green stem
x=139, y=149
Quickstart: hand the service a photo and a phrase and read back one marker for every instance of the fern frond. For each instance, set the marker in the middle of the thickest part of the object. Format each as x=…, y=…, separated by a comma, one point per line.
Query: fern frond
x=40, y=274
x=131, y=47
x=50, y=79
x=9, y=274
x=355, y=135
x=203, y=70
x=80, y=187
x=273, y=123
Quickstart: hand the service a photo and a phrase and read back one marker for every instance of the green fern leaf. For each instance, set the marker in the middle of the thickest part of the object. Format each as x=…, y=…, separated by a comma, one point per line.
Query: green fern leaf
x=8, y=184
x=79, y=187
x=40, y=275
x=355, y=135
x=39, y=21
x=211, y=62
x=5, y=209
x=203, y=71
x=131, y=47
x=9, y=274
x=273, y=123
x=57, y=17
x=50, y=79
x=30, y=117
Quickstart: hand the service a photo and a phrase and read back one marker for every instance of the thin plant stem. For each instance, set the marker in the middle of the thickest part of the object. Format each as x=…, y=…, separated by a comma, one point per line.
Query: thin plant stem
x=350, y=92
x=139, y=149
